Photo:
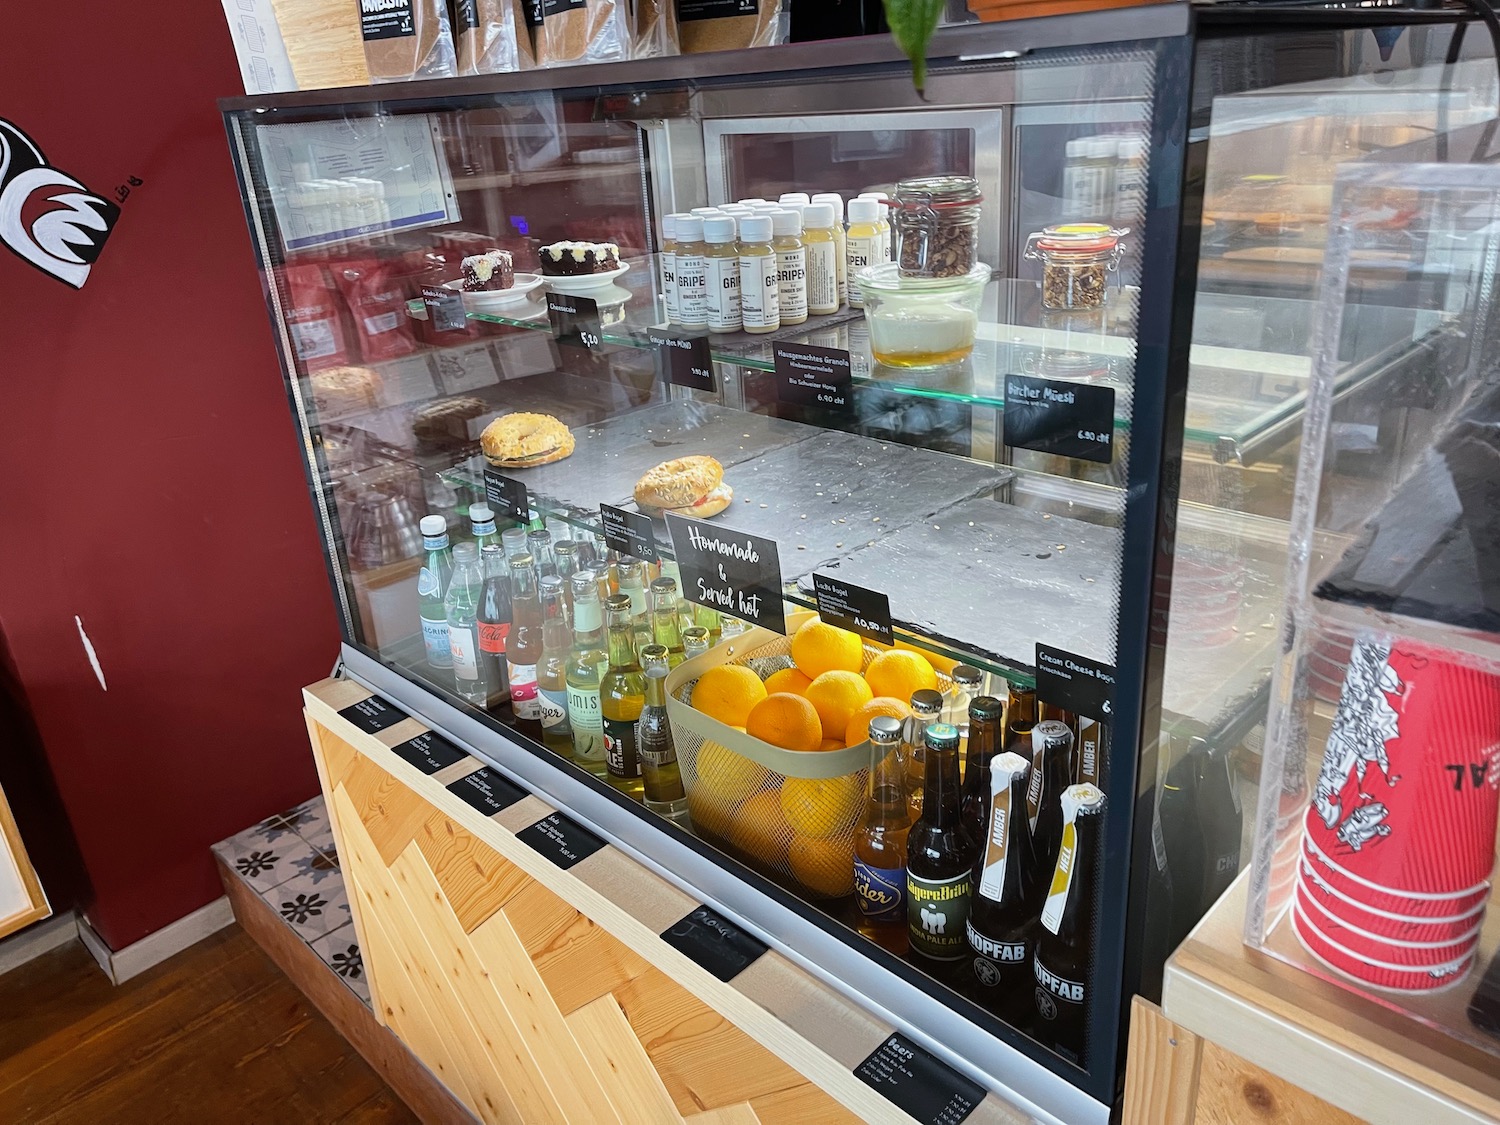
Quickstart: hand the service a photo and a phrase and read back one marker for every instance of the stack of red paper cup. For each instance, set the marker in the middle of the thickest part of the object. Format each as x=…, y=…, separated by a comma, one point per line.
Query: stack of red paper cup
x=1399, y=838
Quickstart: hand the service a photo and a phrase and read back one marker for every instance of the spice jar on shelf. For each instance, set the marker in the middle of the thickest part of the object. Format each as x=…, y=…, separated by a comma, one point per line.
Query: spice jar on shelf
x=936, y=225
x=1076, y=260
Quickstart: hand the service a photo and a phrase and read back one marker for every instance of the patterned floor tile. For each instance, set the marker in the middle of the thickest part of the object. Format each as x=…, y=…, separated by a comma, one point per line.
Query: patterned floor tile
x=311, y=905
x=267, y=865
x=339, y=950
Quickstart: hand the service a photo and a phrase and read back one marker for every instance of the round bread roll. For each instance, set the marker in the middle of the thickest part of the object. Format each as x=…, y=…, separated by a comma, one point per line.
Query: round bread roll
x=689, y=486
x=521, y=440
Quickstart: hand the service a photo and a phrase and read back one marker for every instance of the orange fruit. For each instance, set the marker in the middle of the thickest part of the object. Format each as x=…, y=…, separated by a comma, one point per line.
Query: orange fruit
x=944, y=664
x=788, y=679
x=823, y=866
x=760, y=829
x=831, y=744
x=785, y=720
x=899, y=673
x=819, y=648
x=727, y=778
x=836, y=696
x=727, y=692
x=710, y=816
x=858, y=729
x=821, y=807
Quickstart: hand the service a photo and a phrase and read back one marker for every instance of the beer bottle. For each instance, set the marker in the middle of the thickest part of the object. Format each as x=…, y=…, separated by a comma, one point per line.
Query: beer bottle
x=1093, y=749
x=1220, y=819
x=1051, y=773
x=666, y=626
x=622, y=697
x=926, y=709
x=1045, y=711
x=494, y=620
x=880, y=841
x=1002, y=927
x=523, y=646
x=552, y=670
x=661, y=776
x=586, y=661
x=1062, y=958
x=939, y=858
x=986, y=723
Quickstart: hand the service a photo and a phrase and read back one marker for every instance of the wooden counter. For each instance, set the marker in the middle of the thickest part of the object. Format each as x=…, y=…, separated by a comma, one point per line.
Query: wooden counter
x=539, y=994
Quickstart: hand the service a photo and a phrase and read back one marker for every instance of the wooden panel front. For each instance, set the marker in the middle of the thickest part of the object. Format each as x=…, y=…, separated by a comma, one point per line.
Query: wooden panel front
x=526, y=1009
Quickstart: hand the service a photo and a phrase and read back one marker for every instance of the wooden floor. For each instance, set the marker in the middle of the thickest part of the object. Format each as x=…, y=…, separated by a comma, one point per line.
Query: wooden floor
x=215, y=1035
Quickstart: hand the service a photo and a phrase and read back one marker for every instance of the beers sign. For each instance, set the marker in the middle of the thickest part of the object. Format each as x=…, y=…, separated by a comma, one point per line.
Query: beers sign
x=731, y=571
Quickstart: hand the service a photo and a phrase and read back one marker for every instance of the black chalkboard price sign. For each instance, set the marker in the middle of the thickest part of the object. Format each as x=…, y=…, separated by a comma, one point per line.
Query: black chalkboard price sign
x=862, y=611
x=372, y=715
x=507, y=496
x=808, y=375
x=486, y=791
x=728, y=570
x=917, y=1082
x=1056, y=416
x=714, y=943
x=561, y=839
x=630, y=533
x=575, y=321
x=686, y=360
x=429, y=752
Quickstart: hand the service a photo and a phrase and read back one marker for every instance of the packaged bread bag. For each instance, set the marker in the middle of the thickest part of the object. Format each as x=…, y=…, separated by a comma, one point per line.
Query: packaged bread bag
x=583, y=31
x=406, y=39
x=727, y=25
x=654, y=29
x=493, y=36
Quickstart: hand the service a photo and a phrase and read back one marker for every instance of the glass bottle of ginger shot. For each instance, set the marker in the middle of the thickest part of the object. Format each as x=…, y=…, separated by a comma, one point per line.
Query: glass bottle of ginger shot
x=821, y=250
x=760, y=297
x=791, y=266
x=836, y=201
x=722, y=257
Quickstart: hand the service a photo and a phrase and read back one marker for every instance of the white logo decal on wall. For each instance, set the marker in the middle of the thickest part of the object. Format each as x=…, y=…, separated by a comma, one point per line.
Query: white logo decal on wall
x=46, y=216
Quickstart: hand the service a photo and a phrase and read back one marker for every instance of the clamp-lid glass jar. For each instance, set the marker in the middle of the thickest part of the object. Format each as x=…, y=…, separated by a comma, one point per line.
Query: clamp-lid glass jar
x=1076, y=259
x=936, y=224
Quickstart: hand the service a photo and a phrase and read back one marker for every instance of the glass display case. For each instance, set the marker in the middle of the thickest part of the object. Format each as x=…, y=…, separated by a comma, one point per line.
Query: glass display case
x=898, y=495
x=1375, y=831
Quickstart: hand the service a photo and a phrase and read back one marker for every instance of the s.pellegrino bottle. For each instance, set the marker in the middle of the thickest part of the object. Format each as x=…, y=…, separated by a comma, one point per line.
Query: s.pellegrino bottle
x=1002, y=927
x=432, y=584
x=461, y=605
x=493, y=620
x=552, y=672
x=661, y=775
x=482, y=527
x=880, y=841
x=939, y=860
x=1064, y=947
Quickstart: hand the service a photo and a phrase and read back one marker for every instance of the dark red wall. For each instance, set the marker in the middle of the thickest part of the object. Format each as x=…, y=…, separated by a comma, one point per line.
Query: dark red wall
x=150, y=480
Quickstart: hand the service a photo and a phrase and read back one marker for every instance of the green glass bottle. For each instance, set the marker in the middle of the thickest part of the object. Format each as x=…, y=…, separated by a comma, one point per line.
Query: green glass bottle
x=622, y=697
x=666, y=626
x=586, y=662
x=660, y=773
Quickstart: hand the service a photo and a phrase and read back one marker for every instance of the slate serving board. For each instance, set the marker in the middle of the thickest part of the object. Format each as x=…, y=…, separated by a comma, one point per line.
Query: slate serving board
x=987, y=575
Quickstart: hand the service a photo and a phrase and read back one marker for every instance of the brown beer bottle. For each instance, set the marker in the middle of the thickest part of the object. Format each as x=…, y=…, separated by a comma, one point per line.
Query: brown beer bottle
x=1063, y=952
x=1051, y=773
x=1002, y=925
x=986, y=723
x=939, y=861
x=1093, y=749
x=880, y=841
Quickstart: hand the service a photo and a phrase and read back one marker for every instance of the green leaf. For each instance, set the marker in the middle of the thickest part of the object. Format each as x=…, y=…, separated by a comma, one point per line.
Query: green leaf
x=912, y=24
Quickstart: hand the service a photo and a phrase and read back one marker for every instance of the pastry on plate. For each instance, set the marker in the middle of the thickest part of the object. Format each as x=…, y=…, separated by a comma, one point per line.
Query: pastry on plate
x=575, y=259
x=687, y=486
x=519, y=441
x=488, y=271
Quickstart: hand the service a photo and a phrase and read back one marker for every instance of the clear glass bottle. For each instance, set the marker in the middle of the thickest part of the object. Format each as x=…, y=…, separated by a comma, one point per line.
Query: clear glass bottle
x=565, y=558
x=695, y=641
x=661, y=776
x=539, y=546
x=821, y=250
x=760, y=295
x=722, y=258
x=552, y=672
x=968, y=685
x=432, y=584
x=730, y=626
x=482, y=526
x=586, y=662
x=523, y=647
x=791, y=266
x=622, y=695
x=513, y=540
x=668, y=260
x=461, y=605
x=880, y=841
x=836, y=201
x=666, y=626
x=692, y=273
x=494, y=621
x=632, y=584
x=926, y=709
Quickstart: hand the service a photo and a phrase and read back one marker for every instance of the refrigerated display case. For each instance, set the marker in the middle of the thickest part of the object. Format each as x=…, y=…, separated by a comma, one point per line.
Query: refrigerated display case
x=1029, y=538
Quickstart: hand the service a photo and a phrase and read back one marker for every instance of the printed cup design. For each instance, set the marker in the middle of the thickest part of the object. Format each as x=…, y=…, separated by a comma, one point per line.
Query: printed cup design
x=1380, y=973
x=1450, y=947
x=1407, y=795
x=1410, y=904
x=1317, y=891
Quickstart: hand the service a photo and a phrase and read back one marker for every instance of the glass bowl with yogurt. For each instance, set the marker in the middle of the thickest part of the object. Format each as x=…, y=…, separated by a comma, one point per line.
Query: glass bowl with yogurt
x=921, y=322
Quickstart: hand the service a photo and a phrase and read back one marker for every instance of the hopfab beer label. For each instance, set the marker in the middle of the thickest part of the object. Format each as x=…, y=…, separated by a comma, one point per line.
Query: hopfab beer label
x=1053, y=990
x=880, y=891
x=937, y=911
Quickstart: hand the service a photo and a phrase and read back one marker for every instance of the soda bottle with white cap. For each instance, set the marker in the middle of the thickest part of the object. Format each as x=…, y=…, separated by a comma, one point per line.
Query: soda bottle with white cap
x=432, y=584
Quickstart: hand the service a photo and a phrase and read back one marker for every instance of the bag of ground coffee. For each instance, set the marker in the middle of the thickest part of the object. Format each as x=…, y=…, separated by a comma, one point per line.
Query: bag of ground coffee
x=313, y=318
x=654, y=27
x=582, y=31
x=492, y=36
x=726, y=25
x=407, y=39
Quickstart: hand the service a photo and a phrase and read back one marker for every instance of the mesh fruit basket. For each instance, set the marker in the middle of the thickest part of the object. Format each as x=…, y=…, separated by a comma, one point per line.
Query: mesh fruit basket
x=788, y=813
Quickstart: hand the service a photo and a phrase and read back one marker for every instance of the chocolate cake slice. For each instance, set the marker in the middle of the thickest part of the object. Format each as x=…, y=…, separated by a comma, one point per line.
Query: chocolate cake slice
x=572, y=259
x=488, y=271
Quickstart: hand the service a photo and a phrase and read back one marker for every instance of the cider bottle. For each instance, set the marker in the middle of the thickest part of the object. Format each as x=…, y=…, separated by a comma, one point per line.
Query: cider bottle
x=880, y=841
x=552, y=672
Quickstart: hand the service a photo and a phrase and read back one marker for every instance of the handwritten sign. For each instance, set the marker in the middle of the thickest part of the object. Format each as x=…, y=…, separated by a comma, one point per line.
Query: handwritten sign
x=714, y=943
x=1059, y=417
x=630, y=533
x=685, y=359
x=862, y=611
x=727, y=570
x=575, y=321
x=807, y=375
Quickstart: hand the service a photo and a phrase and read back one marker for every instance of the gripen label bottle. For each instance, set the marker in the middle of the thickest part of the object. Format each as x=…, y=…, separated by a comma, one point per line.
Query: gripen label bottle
x=939, y=857
x=1063, y=952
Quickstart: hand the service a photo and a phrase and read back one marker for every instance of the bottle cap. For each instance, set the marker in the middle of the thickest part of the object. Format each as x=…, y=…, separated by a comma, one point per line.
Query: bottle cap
x=753, y=200
x=481, y=513
x=617, y=602
x=925, y=699
x=514, y=537
x=465, y=553
x=834, y=200
x=539, y=535
x=551, y=584
x=786, y=222
x=677, y=217
x=669, y=226
x=705, y=212
x=864, y=210
x=718, y=229
x=664, y=585
x=492, y=551
x=818, y=216
x=942, y=736
x=433, y=526
x=968, y=675
x=585, y=581
x=521, y=561
x=1103, y=148
x=986, y=707
x=1128, y=148
x=689, y=228
x=883, y=728
x=756, y=228
x=794, y=197
x=765, y=208
x=1074, y=149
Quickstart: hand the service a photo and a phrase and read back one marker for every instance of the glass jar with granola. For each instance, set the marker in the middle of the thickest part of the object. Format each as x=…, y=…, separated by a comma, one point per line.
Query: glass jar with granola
x=1076, y=260
x=936, y=225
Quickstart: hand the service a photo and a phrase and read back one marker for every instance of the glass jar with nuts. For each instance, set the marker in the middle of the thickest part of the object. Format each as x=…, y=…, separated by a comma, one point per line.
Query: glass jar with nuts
x=1076, y=260
x=936, y=225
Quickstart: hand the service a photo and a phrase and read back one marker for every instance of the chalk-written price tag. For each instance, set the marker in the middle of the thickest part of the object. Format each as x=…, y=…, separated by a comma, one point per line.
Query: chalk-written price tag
x=1055, y=416
x=862, y=611
x=507, y=496
x=714, y=942
x=686, y=359
x=807, y=375
x=727, y=570
x=916, y=1081
x=575, y=321
x=630, y=533
x=561, y=839
x=372, y=715
x=429, y=752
